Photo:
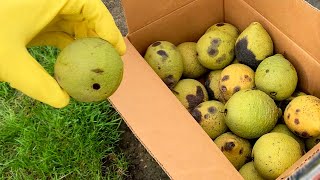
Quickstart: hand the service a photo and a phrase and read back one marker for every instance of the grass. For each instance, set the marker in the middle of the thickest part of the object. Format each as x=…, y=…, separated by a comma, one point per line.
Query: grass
x=41, y=142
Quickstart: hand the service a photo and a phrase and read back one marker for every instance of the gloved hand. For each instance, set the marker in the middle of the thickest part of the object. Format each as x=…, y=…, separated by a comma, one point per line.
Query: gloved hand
x=48, y=22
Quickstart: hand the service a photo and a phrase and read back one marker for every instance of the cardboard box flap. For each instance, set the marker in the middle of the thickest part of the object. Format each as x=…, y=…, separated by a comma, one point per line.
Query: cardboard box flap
x=296, y=19
x=164, y=127
x=139, y=13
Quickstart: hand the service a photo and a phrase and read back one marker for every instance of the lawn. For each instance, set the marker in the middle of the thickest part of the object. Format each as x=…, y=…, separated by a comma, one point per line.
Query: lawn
x=40, y=142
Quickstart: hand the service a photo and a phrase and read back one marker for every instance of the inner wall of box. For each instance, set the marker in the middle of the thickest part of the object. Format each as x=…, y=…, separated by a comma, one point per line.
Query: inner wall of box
x=189, y=23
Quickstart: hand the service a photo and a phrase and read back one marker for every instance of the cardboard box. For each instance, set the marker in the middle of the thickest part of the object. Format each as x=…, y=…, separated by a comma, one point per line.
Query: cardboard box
x=154, y=114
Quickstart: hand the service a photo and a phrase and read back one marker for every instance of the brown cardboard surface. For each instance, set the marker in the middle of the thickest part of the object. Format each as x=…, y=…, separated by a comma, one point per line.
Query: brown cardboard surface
x=296, y=18
x=154, y=114
x=187, y=23
x=241, y=15
x=165, y=128
x=142, y=12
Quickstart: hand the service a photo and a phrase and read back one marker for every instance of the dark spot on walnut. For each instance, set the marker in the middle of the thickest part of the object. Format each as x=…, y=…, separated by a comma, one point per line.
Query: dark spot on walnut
x=236, y=89
x=247, y=77
x=221, y=59
x=163, y=54
x=215, y=41
x=244, y=55
x=169, y=81
x=222, y=149
x=212, y=51
x=297, y=110
x=241, y=151
x=98, y=70
x=296, y=121
x=206, y=116
x=212, y=109
x=156, y=44
x=267, y=70
x=273, y=94
x=305, y=134
x=223, y=88
x=225, y=112
x=288, y=115
x=96, y=86
x=228, y=146
x=225, y=77
x=194, y=100
x=213, y=48
x=220, y=24
x=196, y=115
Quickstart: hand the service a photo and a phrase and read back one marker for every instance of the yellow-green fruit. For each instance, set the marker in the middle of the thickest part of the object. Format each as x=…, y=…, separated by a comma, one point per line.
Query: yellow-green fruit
x=251, y=113
x=236, y=149
x=282, y=128
x=311, y=142
x=277, y=77
x=215, y=49
x=165, y=59
x=191, y=65
x=253, y=45
x=273, y=153
x=209, y=115
x=225, y=27
x=89, y=69
x=302, y=116
x=234, y=78
x=190, y=93
x=249, y=172
x=212, y=85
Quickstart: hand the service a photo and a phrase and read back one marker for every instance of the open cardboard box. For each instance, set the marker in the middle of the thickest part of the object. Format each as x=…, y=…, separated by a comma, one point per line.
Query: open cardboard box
x=155, y=115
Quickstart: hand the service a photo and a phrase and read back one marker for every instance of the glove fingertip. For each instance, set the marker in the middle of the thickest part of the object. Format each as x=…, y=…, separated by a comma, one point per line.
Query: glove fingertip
x=62, y=102
x=121, y=46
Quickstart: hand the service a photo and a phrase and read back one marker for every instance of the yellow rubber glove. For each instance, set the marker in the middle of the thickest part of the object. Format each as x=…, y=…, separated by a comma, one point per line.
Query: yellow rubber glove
x=26, y=23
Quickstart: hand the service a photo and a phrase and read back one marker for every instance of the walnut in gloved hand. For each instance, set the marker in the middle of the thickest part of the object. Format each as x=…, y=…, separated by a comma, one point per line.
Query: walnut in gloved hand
x=51, y=22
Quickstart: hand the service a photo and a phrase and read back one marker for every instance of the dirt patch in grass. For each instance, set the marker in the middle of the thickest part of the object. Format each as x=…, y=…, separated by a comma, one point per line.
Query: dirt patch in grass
x=142, y=166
